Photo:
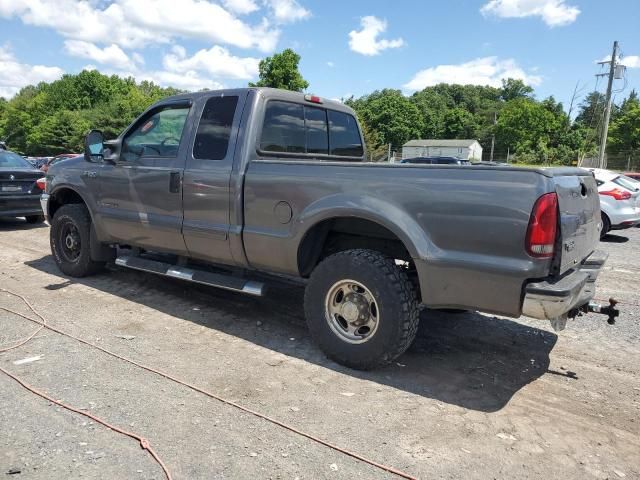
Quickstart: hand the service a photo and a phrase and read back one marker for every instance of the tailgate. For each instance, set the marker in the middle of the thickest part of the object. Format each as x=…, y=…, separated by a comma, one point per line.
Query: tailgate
x=579, y=206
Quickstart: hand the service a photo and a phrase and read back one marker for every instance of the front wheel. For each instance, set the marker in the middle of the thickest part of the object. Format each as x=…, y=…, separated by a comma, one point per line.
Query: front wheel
x=361, y=308
x=69, y=238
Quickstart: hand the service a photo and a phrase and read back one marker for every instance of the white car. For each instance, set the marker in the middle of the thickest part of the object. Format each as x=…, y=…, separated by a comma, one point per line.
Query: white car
x=619, y=200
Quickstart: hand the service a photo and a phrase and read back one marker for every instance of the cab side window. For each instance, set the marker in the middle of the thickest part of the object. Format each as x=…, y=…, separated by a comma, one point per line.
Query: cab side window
x=344, y=135
x=283, y=129
x=315, y=120
x=157, y=135
x=294, y=128
x=214, y=129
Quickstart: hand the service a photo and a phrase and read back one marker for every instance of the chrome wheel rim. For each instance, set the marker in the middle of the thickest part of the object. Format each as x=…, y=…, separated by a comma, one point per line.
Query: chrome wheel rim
x=351, y=311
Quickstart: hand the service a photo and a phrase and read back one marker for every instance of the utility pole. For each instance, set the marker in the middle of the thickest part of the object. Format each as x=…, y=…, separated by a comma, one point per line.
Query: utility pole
x=493, y=137
x=607, y=109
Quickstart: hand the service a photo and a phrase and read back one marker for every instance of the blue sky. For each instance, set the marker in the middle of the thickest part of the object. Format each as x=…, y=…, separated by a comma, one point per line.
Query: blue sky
x=349, y=47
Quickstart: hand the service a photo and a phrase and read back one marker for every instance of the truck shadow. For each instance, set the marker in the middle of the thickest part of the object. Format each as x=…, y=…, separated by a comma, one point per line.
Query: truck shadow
x=468, y=359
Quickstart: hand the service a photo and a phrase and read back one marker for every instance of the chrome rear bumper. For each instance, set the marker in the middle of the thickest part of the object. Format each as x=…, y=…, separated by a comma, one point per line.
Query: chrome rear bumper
x=553, y=298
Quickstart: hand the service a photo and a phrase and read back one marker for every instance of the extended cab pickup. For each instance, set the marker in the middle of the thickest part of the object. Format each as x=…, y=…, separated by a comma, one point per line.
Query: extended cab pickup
x=213, y=187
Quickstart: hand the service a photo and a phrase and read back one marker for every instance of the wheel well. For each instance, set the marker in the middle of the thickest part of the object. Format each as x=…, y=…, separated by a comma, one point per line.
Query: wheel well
x=346, y=233
x=63, y=197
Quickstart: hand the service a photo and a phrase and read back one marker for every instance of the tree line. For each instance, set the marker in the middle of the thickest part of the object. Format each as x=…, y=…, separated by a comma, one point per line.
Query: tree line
x=51, y=118
x=530, y=130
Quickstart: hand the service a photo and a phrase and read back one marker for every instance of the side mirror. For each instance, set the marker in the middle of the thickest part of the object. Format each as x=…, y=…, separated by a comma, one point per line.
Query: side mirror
x=93, y=146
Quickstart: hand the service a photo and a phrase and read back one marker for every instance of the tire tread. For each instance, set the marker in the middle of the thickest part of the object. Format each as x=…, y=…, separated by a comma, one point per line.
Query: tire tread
x=398, y=283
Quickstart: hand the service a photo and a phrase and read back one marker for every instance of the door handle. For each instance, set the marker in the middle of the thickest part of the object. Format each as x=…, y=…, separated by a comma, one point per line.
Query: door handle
x=174, y=182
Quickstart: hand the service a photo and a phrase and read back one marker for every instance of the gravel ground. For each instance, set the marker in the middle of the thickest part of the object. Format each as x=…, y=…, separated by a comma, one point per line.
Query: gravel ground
x=476, y=397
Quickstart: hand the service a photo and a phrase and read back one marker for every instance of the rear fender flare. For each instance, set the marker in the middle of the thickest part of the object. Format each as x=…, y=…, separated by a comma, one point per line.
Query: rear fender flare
x=415, y=239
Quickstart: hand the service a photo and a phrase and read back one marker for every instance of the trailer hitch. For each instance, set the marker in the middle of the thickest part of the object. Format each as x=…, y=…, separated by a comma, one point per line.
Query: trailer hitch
x=609, y=310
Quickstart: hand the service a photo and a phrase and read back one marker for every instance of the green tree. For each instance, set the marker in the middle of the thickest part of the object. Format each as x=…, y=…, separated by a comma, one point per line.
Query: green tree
x=459, y=123
x=624, y=132
x=59, y=133
x=524, y=126
x=51, y=118
x=513, y=89
x=281, y=71
x=391, y=114
x=375, y=148
x=591, y=109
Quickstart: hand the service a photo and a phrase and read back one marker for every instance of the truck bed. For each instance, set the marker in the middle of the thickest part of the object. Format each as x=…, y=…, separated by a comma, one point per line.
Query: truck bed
x=464, y=227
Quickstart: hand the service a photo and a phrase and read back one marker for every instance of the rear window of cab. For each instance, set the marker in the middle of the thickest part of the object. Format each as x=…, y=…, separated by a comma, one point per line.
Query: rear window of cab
x=304, y=130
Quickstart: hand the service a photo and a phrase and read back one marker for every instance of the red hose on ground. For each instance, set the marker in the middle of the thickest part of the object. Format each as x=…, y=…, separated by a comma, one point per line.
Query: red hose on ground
x=43, y=324
x=144, y=443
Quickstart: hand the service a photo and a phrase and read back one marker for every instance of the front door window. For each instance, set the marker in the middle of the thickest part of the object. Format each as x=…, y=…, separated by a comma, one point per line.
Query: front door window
x=157, y=135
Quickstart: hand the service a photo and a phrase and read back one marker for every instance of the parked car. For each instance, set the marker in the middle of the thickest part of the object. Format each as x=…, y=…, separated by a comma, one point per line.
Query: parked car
x=264, y=180
x=619, y=200
x=436, y=161
x=63, y=156
x=20, y=187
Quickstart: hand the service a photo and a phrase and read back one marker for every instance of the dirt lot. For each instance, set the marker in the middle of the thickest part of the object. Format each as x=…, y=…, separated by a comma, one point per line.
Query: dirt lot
x=476, y=397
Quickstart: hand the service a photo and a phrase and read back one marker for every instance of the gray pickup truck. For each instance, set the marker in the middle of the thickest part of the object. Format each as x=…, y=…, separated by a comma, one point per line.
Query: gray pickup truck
x=214, y=187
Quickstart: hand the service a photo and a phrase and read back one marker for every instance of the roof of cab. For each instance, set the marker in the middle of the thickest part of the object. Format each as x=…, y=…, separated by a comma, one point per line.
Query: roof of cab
x=266, y=92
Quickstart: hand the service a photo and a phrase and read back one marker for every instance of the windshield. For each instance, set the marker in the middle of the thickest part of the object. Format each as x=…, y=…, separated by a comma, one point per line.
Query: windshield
x=13, y=160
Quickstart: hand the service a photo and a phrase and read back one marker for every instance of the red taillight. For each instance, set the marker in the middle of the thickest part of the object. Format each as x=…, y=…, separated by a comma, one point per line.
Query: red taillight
x=618, y=194
x=543, y=224
x=42, y=183
x=313, y=99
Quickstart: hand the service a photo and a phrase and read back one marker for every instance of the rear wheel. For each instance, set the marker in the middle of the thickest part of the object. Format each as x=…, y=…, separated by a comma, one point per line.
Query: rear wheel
x=34, y=218
x=606, y=225
x=361, y=308
x=69, y=238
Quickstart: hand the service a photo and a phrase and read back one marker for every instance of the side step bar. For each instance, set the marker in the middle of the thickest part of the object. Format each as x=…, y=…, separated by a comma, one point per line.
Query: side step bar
x=191, y=275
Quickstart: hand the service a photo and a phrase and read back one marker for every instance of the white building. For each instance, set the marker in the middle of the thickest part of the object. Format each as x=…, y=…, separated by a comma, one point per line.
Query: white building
x=462, y=149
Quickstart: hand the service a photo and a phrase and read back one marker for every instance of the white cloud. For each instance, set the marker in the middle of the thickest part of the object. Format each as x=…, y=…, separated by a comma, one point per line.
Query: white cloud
x=288, y=11
x=191, y=81
x=137, y=58
x=554, y=13
x=241, y=7
x=366, y=41
x=331, y=64
x=135, y=23
x=481, y=71
x=216, y=61
x=112, y=55
x=15, y=75
x=629, y=61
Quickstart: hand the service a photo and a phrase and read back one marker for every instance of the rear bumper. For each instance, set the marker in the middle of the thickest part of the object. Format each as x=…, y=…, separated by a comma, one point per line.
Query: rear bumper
x=553, y=298
x=623, y=217
x=626, y=224
x=44, y=205
x=19, y=205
